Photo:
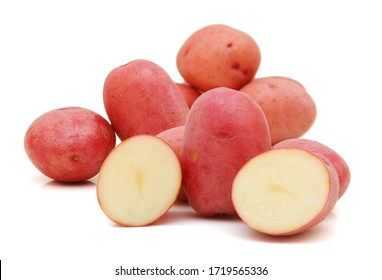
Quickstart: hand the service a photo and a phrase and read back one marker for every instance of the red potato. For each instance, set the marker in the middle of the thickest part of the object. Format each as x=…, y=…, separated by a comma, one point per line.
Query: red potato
x=69, y=144
x=141, y=98
x=218, y=56
x=325, y=153
x=225, y=128
x=189, y=93
x=289, y=109
x=175, y=137
x=139, y=181
x=285, y=191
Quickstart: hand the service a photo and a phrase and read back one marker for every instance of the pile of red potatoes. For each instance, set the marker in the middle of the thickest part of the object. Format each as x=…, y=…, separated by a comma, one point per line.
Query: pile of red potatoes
x=224, y=141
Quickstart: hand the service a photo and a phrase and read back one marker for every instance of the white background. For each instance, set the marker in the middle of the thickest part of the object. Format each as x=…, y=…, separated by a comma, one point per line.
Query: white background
x=58, y=53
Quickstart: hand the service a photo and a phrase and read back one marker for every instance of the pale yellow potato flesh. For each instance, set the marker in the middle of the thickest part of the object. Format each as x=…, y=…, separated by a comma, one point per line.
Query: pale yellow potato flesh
x=139, y=181
x=281, y=191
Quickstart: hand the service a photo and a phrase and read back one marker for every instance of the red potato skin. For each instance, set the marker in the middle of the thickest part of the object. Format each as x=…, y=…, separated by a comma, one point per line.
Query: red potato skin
x=323, y=152
x=328, y=207
x=225, y=129
x=174, y=137
x=140, y=98
x=69, y=144
x=289, y=109
x=189, y=93
x=218, y=56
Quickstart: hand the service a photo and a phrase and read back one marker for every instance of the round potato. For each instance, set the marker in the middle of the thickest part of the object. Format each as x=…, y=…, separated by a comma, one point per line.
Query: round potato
x=69, y=144
x=218, y=56
x=289, y=109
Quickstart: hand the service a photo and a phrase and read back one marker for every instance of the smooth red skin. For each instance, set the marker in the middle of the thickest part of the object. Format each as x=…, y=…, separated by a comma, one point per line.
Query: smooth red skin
x=189, y=93
x=225, y=129
x=328, y=207
x=174, y=138
x=289, y=109
x=140, y=98
x=324, y=152
x=69, y=144
x=218, y=56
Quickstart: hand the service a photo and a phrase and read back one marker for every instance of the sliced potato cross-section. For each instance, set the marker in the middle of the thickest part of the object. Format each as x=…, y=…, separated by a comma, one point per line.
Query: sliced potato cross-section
x=284, y=191
x=139, y=181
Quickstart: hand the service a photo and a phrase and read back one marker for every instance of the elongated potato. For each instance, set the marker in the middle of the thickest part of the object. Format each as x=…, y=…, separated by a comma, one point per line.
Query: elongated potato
x=225, y=128
x=141, y=98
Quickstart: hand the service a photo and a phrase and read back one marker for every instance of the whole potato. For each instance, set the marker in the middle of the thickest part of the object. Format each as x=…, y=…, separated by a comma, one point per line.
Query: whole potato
x=218, y=56
x=289, y=109
x=69, y=144
x=225, y=128
x=140, y=98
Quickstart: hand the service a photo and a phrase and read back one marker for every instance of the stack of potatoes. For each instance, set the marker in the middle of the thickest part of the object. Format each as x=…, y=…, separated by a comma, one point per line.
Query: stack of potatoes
x=224, y=141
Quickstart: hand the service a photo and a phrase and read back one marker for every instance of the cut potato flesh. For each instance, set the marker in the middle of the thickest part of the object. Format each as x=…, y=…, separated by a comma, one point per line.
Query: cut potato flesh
x=139, y=181
x=281, y=191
